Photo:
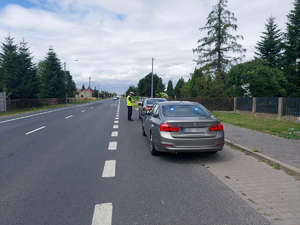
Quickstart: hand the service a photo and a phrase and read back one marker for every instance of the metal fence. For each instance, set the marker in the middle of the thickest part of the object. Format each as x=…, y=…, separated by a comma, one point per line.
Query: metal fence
x=267, y=105
x=213, y=104
x=244, y=103
x=291, y=107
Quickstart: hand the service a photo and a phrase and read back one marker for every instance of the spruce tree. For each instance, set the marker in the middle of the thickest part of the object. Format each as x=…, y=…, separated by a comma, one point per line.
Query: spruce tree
x=10, y=75
x=52, y=77
x=170, y=91
x=270, y=47
x=160, y=85
x=29, y=85
x=213, y=51
x=179, y=85
x=71, y=86
x=292, y=51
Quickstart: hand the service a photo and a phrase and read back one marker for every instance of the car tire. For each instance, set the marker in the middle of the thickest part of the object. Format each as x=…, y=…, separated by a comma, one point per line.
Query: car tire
x=143, y=130
x=152, y=147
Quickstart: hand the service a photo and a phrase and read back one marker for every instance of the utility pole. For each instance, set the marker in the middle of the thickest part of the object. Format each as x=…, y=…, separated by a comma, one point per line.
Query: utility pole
x=152, y=79
x=89, y=83
x=98, y=91
x=65, y=63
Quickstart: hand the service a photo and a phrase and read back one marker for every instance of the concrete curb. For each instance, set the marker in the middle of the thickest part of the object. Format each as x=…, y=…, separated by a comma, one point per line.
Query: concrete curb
x=283, y=166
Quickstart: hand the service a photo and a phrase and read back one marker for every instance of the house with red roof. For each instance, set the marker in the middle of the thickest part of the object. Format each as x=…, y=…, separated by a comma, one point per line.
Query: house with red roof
x=86, y=93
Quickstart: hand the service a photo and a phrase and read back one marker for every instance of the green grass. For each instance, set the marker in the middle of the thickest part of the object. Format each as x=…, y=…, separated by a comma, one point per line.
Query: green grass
x=278, y=128
x=34, y=109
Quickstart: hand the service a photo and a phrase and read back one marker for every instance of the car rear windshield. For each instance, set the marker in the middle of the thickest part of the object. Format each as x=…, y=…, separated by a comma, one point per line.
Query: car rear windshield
x=152, y=102
x=184, y=111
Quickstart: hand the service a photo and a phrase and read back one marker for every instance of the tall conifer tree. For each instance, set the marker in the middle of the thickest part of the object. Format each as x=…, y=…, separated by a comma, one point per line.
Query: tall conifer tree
x=52, y=77
x=214, y=48
x=29, y=82
x=9, y=70
x=292, y=51
x=170, y=91
x=271, y=45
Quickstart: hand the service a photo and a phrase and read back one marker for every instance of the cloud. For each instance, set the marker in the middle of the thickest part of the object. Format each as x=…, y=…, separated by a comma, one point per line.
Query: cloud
x=115, y=40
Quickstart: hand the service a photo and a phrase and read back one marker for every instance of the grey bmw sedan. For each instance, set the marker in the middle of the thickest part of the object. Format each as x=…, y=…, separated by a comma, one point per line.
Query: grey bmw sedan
x=182, y=126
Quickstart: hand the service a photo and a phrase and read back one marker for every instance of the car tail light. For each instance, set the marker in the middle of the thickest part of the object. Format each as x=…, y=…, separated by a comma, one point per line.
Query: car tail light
x=147, y=108
x=167, y=128
x=218, y=127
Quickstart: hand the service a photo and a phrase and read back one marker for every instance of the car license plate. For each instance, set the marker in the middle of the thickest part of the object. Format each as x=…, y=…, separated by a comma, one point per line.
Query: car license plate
x=193, y=130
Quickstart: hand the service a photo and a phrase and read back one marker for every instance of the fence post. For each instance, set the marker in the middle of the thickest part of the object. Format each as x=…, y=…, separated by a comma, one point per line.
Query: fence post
x=280, y=108
x=3, y=102
x=254, y=105
x=234, y=104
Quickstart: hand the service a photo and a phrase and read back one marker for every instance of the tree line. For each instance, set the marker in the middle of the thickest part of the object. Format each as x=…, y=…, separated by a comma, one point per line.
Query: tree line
x=21, y=78
x=274, y=71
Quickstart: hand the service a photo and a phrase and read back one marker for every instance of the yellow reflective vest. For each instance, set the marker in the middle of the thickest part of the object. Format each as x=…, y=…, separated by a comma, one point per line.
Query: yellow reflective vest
x=128, y=102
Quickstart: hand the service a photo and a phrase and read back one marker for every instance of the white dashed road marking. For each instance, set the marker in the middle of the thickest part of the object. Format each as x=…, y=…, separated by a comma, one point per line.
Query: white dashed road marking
x=115, y=126
x=109, y=168
x=102, y=214
x=69, y=117
x=114, y=134
x=112, y=145
x=35, y=130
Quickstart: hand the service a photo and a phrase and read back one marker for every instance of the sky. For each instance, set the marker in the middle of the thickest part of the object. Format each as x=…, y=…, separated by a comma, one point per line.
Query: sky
x=110, y=44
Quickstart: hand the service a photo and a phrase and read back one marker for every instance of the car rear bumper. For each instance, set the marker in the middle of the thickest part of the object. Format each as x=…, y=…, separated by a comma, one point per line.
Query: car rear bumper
x=166, y=143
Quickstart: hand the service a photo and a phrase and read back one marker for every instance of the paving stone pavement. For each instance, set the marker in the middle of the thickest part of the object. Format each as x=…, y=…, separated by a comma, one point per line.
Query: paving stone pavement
x=273, y=193
x=284, y=150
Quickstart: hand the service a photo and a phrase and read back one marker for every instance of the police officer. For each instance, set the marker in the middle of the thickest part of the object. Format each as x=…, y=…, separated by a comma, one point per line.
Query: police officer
x=130, y=103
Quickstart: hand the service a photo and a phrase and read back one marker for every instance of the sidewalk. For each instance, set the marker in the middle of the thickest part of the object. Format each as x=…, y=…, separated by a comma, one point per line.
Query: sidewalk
x=275, y=150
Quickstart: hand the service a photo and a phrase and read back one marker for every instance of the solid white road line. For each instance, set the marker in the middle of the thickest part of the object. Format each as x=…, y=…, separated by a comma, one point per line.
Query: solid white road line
x=112, y=145
x=69, y=117
x=102, y=214
x=38, y=114
x=109, y=168
x=114, y=134
x=35, y=130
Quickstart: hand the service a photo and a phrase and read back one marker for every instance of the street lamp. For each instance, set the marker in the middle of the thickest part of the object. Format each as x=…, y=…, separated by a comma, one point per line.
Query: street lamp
x=65, y=65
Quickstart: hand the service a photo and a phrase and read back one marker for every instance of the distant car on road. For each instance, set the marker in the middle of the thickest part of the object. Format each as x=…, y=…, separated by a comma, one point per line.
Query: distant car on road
x=148, y=103
x=175, y=126
x=115, y=98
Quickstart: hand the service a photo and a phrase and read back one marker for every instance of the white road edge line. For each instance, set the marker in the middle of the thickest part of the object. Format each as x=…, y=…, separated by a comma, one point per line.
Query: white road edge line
x=103, y=214
x=69, y=117
x=109, y=168
x=35, y=130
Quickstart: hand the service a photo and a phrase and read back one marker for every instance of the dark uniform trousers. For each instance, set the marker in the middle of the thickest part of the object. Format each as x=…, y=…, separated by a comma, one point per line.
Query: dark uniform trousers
x=129, y=112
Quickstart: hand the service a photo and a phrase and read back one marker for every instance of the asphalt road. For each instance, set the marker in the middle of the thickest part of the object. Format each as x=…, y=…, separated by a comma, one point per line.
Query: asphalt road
x=88, y=164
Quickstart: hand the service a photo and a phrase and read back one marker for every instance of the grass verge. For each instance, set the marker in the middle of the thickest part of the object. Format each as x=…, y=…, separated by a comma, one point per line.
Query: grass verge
x=278, y=128
x=34, y=109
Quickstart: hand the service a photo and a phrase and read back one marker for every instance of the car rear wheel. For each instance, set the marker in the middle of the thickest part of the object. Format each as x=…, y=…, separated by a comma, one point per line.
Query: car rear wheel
x=152, y=147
